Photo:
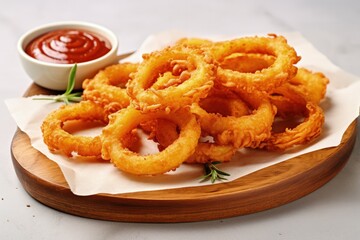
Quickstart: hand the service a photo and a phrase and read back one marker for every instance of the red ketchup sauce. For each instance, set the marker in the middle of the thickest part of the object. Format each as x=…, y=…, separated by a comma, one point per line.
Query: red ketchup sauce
x=68, y=46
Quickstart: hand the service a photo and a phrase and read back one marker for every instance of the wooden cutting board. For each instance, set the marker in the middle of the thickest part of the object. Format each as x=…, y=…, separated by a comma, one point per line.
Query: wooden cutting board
x=267, y=188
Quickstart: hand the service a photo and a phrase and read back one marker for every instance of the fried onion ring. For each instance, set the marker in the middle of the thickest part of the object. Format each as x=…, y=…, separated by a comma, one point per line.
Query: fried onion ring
x=266, y=79
x=312, y=86
x=107, y=88
x=291, y=103
x=56, y=138
x=309, y=129
x=128, y=119
x=244, y=131
x=166, y=132
x=197, y=81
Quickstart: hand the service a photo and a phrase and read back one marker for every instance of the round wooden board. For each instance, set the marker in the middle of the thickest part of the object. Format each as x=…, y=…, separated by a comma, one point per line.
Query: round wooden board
x=261, y=190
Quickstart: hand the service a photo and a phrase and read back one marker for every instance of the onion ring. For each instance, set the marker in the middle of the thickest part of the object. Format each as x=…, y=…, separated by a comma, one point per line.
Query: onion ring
x=170, y=158
x=244, y=131
x=166, y=132
x=309, y=129
x=312, y=86
x=56, y=138
x=266, y=79
x=290, y=103
x=107, y=88
x=194, y=86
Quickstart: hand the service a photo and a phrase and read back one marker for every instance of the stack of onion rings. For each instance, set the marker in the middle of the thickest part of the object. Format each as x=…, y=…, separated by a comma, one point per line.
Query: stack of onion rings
x=199, y=100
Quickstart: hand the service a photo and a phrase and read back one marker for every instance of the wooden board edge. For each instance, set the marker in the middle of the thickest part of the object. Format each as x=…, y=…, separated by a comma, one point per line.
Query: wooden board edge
x=129, y=208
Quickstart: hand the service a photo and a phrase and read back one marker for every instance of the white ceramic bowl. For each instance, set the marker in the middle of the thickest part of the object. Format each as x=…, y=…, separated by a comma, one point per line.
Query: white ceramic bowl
x=55, y=75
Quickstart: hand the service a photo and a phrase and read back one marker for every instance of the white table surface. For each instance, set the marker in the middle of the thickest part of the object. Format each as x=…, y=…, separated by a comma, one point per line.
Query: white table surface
x=332, y=212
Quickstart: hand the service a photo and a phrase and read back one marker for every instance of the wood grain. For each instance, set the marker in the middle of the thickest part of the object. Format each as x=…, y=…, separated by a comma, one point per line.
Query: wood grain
x=267, y=188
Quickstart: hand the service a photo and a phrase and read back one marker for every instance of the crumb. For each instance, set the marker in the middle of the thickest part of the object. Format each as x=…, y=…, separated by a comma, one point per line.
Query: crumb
x=28, y=205
x=33, y=215
x=2, y=198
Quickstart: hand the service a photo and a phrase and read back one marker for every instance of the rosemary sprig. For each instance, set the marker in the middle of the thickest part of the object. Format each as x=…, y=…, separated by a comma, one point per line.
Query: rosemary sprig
x=213, y=173
x=67, y=96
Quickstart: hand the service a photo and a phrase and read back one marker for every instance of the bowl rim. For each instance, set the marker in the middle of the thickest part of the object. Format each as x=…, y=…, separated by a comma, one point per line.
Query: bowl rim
x=39, y=30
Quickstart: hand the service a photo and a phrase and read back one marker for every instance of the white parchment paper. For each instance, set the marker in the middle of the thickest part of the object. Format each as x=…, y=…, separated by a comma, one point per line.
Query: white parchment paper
x=341, y=107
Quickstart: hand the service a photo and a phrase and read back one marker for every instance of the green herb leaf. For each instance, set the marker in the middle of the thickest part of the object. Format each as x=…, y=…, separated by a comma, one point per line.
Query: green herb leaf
x=68, y=96
x=71, y=80
x=213, y=173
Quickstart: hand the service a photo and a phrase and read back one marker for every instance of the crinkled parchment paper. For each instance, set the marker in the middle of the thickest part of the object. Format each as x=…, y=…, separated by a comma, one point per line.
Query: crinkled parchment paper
x=341, y=107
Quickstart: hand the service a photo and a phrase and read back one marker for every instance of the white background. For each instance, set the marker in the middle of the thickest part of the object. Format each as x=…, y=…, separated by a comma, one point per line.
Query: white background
x=332, y=212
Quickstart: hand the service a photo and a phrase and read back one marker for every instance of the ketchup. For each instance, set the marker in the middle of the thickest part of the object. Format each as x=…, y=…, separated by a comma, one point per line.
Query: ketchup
x=68, y=46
